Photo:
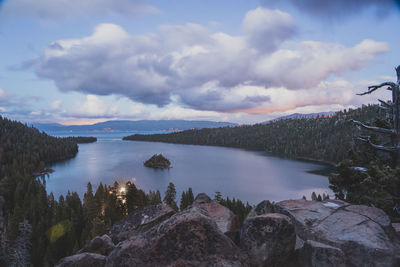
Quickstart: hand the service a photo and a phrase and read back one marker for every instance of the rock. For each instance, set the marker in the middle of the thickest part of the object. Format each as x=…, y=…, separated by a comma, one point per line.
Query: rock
x=225, y=219
x=264, y=207
x=374, y=214
x=268, y=239
x=314, y=254
x=82, y=260
x=189, y=238
x=140, y=220
x=100, y=245
x=2, y=202
x=363, y=233
x=396, y=227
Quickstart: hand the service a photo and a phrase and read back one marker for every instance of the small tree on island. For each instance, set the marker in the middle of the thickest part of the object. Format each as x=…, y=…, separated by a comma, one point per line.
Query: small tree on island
x=394, y=108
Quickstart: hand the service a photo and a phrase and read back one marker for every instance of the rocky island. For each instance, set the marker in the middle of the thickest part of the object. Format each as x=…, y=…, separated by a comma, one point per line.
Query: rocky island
x=287, y=233
x=158, y=161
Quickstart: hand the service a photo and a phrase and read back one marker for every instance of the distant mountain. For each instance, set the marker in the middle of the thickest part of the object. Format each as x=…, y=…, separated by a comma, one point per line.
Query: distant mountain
x=302, y=116
x=127, y=126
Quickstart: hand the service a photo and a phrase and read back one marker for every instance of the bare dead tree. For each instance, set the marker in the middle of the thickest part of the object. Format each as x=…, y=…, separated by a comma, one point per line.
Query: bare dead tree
x=394, y=108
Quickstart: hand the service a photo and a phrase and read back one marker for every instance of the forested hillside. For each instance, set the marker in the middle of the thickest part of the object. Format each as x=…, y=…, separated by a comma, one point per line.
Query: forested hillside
x=23, y=151
x=324, y=138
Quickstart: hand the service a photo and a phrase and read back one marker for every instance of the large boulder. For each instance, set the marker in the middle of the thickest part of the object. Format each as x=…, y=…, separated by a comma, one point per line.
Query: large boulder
x=139, y=221
x=225, y=219
x=100, y=245
x=268, y=239
x=2, y=202
x=364, y=234
x=396, y=227
x=189, y=238
x=315, y=254
x=83, y=260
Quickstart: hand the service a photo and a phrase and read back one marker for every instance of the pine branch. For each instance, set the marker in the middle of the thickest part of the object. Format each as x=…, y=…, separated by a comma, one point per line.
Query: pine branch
x=375, y=129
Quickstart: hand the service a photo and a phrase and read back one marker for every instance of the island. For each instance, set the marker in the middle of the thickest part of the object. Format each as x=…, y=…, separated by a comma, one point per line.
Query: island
x=158, y=161
x=83, y=139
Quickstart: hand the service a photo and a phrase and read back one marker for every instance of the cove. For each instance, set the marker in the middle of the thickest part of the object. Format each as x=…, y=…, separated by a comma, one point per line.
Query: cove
x=248, y=175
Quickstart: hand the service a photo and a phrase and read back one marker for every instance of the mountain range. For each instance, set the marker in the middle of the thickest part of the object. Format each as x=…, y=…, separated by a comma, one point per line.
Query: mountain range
x=127, y=126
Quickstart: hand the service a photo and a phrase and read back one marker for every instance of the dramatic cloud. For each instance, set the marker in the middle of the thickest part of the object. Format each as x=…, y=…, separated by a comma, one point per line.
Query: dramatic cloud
x=52, y=9
x=191, y=66
x=336, y=8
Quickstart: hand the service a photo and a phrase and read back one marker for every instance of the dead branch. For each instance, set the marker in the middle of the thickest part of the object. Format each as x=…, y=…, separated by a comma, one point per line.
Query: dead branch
x=391, y=149
x=375, y=129
x=373, y=88
x=385, y=103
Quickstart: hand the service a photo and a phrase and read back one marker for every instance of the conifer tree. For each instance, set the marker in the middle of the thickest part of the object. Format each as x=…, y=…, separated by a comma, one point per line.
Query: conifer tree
x=170, y=196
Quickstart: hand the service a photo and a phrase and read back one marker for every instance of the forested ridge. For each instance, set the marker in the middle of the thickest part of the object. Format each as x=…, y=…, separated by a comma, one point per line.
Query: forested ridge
x=325, y=139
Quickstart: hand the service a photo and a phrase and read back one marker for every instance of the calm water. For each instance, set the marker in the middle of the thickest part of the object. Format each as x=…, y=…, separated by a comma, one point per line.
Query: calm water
x=248, y=175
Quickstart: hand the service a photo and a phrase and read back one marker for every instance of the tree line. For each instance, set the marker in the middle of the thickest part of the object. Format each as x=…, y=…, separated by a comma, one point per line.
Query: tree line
x=322, y=138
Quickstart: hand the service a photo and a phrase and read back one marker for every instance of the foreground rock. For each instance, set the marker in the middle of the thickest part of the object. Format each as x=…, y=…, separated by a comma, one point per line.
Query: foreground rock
x=139, y=221
x=225, y=219
x=288, y=233
x=83, y=260
x=100, y=245
x=268, y=239
x=396, y=227
x=364, y=234
x=317, y=254
x=188, y=238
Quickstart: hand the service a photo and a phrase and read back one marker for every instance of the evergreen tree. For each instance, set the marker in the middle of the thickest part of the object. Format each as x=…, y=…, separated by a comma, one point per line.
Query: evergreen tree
x=170, y=196
x=154, y=197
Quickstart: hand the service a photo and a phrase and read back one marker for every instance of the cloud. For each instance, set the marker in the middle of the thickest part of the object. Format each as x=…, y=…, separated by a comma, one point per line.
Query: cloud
x=267, y=29
x=199, y=69
x=337, y=8
x=92, y=107
x=56, y=105
x=61, y=9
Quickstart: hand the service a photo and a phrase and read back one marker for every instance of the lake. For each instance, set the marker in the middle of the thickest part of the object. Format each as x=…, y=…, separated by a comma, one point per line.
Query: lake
x=248, y=175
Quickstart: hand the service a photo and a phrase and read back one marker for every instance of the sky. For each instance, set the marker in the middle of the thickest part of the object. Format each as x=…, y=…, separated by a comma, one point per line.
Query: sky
x=243, y=61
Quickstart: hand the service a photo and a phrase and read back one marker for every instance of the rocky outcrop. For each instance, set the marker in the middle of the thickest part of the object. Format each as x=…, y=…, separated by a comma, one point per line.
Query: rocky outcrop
x=314, y=254
x=396, y=227
x=100, y=244
x=268, y=239
x=288, y=233
x=2, y=202
x=139, y=221
x=83, y=260
x=225, y=219
x=188, y=238
x=364, y=234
